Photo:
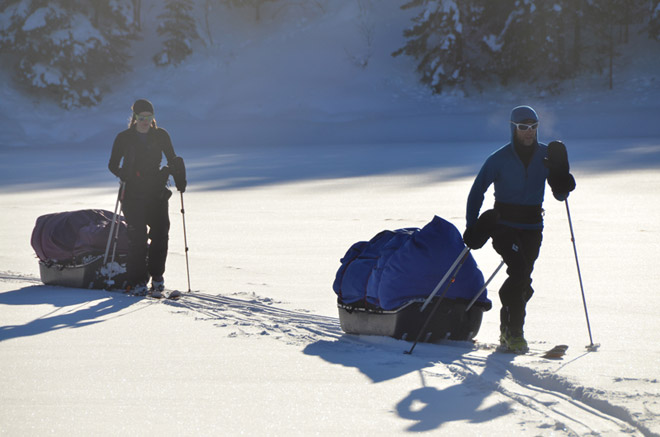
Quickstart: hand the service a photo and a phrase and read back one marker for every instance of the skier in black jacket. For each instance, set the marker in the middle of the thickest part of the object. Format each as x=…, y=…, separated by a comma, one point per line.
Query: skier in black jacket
x=139, y=149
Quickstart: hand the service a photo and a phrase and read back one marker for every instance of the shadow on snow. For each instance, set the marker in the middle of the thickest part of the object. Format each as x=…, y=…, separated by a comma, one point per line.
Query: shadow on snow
x=224, y=168
x=449, y=391
x=74, y=308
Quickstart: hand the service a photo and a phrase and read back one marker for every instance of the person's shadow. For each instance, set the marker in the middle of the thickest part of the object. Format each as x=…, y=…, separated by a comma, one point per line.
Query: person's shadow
x=89, y=307
x=430, y=408
x=380, y=362
x=382, y=359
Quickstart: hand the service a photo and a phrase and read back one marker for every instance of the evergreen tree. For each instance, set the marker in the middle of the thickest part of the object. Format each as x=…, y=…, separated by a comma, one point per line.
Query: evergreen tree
x=654, y=21
x=530, y=41
x=63, y=49
x=180, y=29
x=535, y=42
x=256, y=4
x=448, y=42
x=608, y=23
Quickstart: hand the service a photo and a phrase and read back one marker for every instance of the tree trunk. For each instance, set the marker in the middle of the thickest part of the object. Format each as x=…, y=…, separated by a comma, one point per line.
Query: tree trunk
x=611, y=53
x=137, y=7
x=207, y=12
x=577, y=39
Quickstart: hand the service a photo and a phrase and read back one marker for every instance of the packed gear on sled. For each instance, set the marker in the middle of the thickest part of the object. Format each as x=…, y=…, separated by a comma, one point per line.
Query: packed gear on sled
x=70, y=247
x=382, y=284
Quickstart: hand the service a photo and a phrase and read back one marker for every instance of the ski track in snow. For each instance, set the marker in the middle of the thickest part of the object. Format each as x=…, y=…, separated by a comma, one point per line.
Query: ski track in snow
x=528, y=384
x=575, y=410
x=560, y=405
x=255, y=315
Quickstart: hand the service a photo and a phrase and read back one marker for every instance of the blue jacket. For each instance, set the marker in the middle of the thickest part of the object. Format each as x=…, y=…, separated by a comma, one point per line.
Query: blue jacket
x=514, y=184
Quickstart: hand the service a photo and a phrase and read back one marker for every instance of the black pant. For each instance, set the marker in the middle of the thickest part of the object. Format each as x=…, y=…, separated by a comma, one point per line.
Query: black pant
x=146, y=258
x=519, y=249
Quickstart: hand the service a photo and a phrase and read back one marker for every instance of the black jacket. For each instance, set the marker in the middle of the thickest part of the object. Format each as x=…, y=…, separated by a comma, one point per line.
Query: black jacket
x=140, y=156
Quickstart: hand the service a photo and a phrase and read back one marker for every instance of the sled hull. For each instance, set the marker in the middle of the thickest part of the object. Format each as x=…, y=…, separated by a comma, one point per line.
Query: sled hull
x=84, y=275
x=449, y=321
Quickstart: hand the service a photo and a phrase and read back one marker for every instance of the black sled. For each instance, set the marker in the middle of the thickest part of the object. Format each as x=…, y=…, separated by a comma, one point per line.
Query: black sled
x=449, y=322
x=89, y=273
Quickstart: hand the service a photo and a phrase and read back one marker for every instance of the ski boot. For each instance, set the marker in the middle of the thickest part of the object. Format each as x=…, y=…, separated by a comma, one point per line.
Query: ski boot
x=513, y=343
x=137, y=290
x=157, y=287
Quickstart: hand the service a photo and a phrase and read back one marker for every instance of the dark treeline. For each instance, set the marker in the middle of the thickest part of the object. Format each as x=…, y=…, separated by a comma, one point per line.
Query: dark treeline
x=470, y=43
x=66, y=50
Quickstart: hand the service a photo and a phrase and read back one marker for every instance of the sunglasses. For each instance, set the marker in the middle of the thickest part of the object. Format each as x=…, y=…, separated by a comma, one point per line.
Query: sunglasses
x=144, y=117
x=524, y=127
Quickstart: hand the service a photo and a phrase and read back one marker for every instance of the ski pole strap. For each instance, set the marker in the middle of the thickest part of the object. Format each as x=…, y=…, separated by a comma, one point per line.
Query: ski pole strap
x=460, y=257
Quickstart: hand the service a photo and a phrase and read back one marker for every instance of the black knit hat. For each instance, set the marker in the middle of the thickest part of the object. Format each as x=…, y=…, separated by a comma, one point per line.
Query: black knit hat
x=143, y=105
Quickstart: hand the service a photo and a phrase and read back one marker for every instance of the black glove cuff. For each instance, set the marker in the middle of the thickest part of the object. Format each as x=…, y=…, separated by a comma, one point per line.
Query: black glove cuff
x=561, y=183
x=475, y=237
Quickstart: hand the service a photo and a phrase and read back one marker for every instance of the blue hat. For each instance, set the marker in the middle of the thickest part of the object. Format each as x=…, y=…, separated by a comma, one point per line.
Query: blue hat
x=520, y=114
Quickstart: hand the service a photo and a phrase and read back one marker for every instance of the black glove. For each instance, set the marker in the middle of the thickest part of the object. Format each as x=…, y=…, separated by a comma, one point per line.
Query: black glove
x=559, y=178
x=178, y=171
x=476, y=236
x=557, y=159
x=561, y=183
x=125, y=174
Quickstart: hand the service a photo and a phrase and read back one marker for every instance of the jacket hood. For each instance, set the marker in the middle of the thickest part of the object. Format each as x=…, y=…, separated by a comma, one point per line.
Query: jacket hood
x=520, y=114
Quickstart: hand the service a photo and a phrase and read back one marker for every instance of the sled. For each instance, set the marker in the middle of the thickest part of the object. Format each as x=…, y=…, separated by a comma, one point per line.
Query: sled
x=70, y=246
x=449, y=322
x=89, y=273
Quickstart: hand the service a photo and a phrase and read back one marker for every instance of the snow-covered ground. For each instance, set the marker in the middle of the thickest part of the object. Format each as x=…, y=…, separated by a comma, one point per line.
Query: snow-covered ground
x=294, y=153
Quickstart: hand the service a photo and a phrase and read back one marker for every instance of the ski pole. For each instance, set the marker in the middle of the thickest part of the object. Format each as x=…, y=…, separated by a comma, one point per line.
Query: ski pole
x=185, y=239
x=453, y=271
x=591, y=346
x=115, y=240
x=474, y=299
x=120, y=196
x=444, y=278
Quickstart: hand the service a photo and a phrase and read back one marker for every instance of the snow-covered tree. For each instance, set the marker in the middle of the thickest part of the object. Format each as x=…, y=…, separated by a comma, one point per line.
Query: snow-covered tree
x=531, y=41
x=448, y=42
x=180, y=29
x=64, y=49
x=536, y=42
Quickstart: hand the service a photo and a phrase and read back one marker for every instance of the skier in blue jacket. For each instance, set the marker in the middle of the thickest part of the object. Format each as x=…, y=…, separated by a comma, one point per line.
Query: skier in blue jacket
x=518, y=171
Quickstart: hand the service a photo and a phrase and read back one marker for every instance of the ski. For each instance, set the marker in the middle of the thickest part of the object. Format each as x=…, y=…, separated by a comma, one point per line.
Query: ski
x=166, y=295
x=555, y=353
x=173, y=294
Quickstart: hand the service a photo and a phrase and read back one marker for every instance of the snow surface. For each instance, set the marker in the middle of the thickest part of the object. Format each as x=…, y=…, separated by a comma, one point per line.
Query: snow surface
x=294, y=152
